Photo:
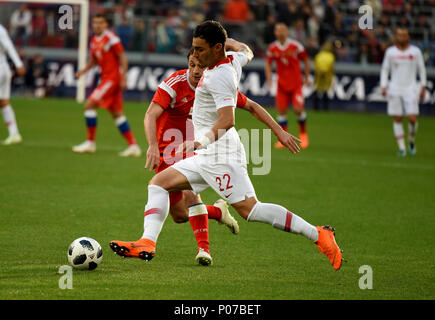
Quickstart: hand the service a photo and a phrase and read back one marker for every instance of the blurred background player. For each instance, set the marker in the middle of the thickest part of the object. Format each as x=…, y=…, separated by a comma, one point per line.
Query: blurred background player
x=287, y=54
x=324, y=63
x=403, y=61
x=108, y=52
x=6, y=47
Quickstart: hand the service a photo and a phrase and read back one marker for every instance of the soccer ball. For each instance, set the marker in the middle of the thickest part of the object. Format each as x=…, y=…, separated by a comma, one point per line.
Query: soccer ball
x=85, y=253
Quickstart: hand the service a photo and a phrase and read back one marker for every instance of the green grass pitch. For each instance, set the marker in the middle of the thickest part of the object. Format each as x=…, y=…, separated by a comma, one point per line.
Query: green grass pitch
x=382, y=208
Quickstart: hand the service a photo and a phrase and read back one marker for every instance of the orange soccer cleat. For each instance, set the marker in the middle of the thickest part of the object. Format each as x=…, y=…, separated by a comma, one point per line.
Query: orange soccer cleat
x=143, y=248
x=304, y=140
x=278, y=145
x=327, y=245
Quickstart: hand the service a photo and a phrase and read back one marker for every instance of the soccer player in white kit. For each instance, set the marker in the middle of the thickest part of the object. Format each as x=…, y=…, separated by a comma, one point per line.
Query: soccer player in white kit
x=6, y=47
x=404, y=61
x=220, y=160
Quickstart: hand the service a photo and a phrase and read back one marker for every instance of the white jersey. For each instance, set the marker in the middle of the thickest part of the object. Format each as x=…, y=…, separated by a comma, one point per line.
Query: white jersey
x=216, y=89
x=7, y=47
x=403, y=65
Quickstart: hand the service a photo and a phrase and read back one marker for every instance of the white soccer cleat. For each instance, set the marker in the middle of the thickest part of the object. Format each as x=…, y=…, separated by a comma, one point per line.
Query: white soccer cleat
x=12, y=139
x=203, y=258
x=85, y=147
x=227, y=219
x=132, y=151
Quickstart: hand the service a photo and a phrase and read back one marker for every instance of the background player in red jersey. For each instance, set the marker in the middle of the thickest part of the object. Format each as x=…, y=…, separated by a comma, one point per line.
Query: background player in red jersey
x=287, y=54
x=107, y=52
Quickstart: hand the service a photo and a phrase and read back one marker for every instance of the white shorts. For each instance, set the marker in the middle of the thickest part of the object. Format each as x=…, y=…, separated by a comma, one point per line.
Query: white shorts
x=5, y=84
x=403, y=104
x=230, y=179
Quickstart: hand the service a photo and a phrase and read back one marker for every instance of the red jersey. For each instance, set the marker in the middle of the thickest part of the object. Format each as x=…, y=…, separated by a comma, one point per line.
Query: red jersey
x=105, y=49
x=287, y=58
x=176, y=96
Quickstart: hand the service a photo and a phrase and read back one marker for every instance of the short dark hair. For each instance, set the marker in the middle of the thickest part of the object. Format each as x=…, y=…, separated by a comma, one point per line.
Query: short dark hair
x=190, y=53
x=212, y=32
x=103, y=16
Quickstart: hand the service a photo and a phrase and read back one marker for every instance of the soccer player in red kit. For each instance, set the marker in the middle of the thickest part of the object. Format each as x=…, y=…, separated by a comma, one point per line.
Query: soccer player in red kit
x=108, y=53
x=287, y=54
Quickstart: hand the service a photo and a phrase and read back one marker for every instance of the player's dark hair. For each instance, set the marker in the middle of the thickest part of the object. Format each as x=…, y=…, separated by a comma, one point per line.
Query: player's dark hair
x=103, y=16
x=190, y=53
x=212, y=32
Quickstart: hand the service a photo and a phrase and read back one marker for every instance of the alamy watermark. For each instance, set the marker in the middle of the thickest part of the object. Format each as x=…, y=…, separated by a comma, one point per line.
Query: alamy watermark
x=366, y=20
x=66, y=280
x=366, y=280
x=65, y=21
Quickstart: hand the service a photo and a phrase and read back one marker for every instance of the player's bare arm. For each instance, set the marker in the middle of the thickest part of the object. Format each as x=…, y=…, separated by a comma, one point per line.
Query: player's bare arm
x=234, y=45
x=153, y=154
x=124, y=67
x=287, y=139
x=91, y=63
x=225, y=122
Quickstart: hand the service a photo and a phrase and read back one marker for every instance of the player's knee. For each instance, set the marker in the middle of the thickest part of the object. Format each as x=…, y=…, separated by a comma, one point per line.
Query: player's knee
x=89, y=105
x=245, y=207
x=179, y=216
x=4, y=103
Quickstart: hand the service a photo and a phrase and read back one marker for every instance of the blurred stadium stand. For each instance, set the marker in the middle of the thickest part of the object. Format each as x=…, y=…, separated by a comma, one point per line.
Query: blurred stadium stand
x=153, y=30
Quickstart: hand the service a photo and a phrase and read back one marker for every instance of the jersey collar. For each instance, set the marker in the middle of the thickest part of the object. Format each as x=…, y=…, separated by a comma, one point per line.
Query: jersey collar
x=228, y=59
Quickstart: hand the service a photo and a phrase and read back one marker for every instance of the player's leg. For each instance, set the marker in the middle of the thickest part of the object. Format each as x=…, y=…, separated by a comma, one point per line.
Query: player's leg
x=8, y=113
x=124, y=128
x=395, y=110
x=298, y=102
x=283, y=219
x=282, y=100
x=7, y=110
x=90, y=114
x=237, y=187
x=412, y=110
x=412, y=132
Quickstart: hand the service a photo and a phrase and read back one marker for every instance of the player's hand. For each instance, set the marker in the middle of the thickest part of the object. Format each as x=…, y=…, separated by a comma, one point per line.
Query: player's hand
x=188, y=146
x=123, y=84
x=422, y=93
x=307, y=82
x=21, y=71
x=78, y=74
x=289, y=141
x=153, y=157
x=384, y=92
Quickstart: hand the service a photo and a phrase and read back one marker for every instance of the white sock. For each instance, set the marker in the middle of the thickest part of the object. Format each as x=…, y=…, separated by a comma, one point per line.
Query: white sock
x=412, y=131
x=156, y=212
x=9, y=118
x=399, y=133
x=280, y=218
x=302, y=116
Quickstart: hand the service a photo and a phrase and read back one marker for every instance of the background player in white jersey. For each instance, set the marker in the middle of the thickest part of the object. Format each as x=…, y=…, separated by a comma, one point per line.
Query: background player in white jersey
x=403, y=61
x=220, y=161
x=7, y=48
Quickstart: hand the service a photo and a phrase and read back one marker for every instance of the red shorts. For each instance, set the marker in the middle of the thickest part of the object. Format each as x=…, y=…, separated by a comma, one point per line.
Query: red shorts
x=175, y=196
x=108, y=95
x=284, y=98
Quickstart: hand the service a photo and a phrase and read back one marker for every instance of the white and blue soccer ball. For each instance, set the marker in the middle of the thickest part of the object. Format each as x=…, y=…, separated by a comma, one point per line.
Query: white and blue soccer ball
x=85, y=253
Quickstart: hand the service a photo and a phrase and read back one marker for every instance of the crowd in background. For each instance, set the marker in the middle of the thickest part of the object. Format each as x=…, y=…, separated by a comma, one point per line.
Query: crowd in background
x=166, y=26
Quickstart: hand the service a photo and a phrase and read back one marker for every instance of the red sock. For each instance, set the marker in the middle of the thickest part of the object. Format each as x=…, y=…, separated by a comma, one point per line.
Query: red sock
x=128, y=135
x=302, y=126
x=91, y=133
x=214, y=212
x=199, y=224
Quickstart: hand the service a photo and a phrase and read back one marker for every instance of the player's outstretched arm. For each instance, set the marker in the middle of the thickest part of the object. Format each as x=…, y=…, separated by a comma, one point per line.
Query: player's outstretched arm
x=91, y=63
x=150, y=124
x=234, y=45
x=288, y=140
x=124, y=68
